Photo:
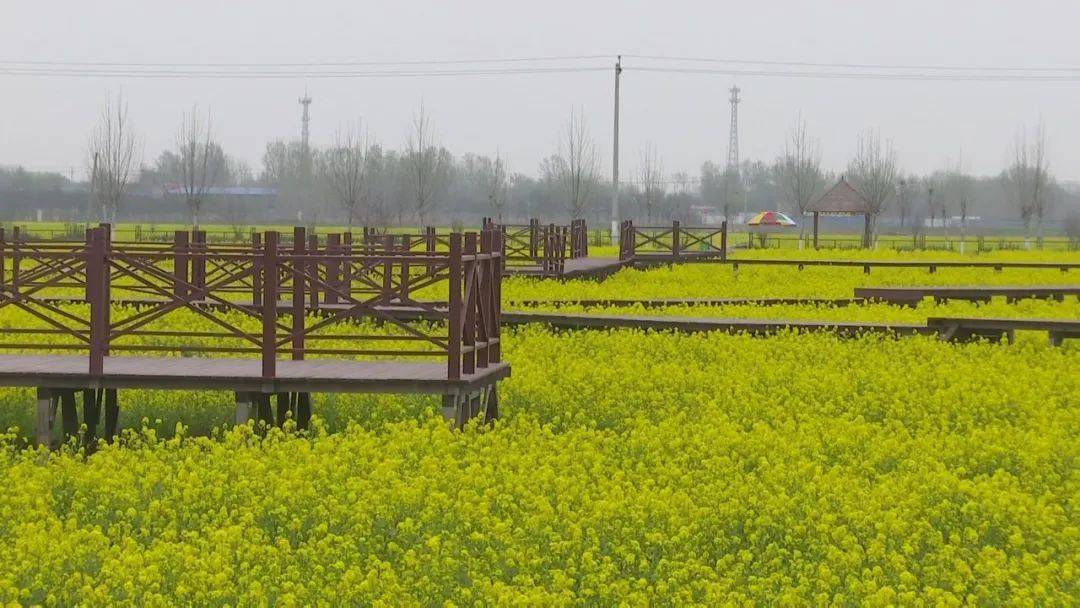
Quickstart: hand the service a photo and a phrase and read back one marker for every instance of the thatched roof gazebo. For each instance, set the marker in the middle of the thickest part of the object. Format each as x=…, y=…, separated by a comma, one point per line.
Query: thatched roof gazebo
x=841, y=199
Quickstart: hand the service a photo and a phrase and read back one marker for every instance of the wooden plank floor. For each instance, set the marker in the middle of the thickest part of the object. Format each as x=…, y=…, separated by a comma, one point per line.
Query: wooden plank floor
x=206, y=373
x=578, y=268
x=928, y=264
x=662, y=302
x=700, y=324
x=1009, y=323
x=909, y=294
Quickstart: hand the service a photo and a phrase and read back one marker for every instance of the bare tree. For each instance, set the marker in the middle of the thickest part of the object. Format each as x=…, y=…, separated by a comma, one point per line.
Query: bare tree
x=798, y=172
x=497, y=187
x=958, y=194
x=918, y=211
x=114, y=146
x=905, y=199
x=425, y=164
x=200, y=160
x=344, y=169
x=1027, y=179
x=1072, y=229
x=873, y=173
x=715, y=187
x=575, y=168
x=651, y=176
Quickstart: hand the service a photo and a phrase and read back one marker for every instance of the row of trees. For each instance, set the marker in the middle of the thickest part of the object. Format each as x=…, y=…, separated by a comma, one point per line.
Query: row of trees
x=357, y=180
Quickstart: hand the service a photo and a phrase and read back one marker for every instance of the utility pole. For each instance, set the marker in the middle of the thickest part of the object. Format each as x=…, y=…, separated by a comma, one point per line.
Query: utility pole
x=615, y=160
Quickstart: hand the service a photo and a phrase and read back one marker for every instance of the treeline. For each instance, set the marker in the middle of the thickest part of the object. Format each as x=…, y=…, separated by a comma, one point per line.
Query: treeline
x=357, y=180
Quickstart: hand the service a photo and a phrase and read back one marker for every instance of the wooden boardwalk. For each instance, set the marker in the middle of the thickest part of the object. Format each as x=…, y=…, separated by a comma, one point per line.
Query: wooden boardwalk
x=664, y=302
x=867, y=265
x=227, y=284
x=575, y=268
x=706, y=324
x=978, y=293
x=242, y=375
x=965, y=328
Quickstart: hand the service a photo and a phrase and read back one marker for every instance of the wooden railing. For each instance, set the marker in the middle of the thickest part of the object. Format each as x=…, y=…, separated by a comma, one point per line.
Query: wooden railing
x=546, y=246
x=271, y=283
x=675, y=242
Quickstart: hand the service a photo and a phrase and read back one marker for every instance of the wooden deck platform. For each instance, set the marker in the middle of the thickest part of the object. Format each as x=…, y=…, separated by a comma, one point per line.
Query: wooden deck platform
x=700, y=324
x=243, y=375
x=577, y=268
x=866, y=265
x=662, y=302
x=658, y=258
x=997, y=328
x=977, y=293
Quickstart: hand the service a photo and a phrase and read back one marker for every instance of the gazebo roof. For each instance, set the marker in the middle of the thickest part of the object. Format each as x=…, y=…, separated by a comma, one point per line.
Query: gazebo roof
x=841, y=198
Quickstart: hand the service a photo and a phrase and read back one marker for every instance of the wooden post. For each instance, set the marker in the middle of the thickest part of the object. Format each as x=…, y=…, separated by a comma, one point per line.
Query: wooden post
x=468, y=337
x=95, y=295
x=256, y=273
x=723, y=240
x=453, y=367
x=269, y=309
x=180, y=264
x=333, y=268
x=16, y=257
x=298, y=313
x=3, y=274
x=312, y=269
x=403, y=296
x=112, y=412
x=69, y=415
x=483, y=298
x=388, y=269
x=534, y=237
x=245, y=405
x=347, y=265
x=547, y=264
x=46, y=413
x=198, y=263
x=815, y=230
x=866, y=231
x=430, y=242
x=106, y=287
x=303, y=410
x=284, y=405
x=495, y=351
x=91, y=415
x=676, y=248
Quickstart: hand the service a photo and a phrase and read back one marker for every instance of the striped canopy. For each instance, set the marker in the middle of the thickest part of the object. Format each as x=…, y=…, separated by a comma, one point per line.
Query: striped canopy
x=770, y=218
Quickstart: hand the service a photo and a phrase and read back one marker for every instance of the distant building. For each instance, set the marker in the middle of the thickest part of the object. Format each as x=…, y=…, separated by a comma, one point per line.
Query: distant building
x=706, y=215
x=1072, y=187
x=951, y=222
x=228, y=192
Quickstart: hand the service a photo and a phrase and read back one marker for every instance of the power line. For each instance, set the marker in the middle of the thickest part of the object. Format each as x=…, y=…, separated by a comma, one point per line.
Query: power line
x=279, y=74
x=868, y=66
x=860, y=75
x=307, y=64
x=424, y=68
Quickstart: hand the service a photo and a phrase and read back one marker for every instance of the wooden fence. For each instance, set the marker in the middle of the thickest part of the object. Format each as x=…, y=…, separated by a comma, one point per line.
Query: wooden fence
x=546, y=246
x=675, y=242
x=262, y=280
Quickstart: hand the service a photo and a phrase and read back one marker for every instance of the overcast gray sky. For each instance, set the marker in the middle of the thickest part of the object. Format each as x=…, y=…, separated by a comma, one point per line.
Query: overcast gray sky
x=44, y=121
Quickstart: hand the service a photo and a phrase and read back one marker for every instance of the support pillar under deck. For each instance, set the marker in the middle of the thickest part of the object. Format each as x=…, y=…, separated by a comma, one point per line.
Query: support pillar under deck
x=460, y=408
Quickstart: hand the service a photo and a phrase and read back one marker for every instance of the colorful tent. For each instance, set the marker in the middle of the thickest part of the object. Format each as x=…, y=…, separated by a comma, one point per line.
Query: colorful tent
x=770, y=218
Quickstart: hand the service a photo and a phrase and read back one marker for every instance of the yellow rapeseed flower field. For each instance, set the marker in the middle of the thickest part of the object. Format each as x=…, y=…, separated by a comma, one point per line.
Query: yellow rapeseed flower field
x=630, y=468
